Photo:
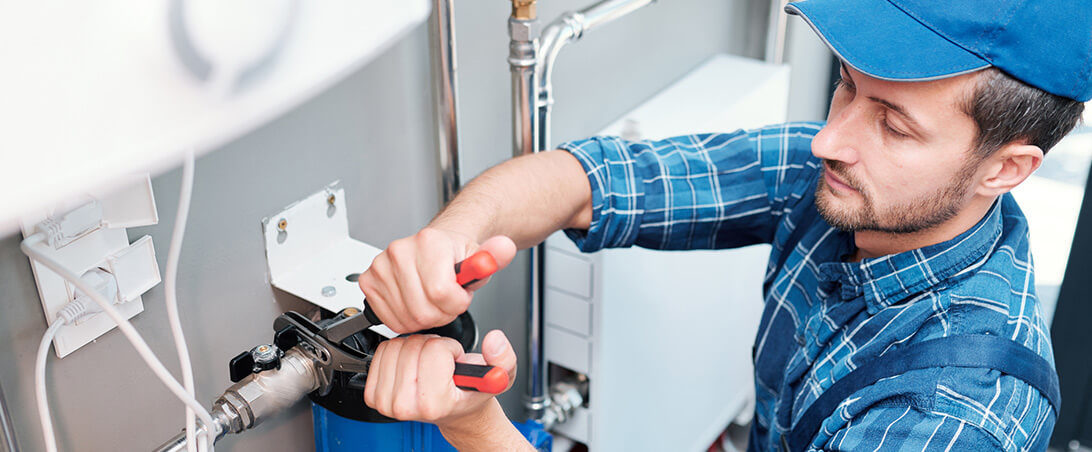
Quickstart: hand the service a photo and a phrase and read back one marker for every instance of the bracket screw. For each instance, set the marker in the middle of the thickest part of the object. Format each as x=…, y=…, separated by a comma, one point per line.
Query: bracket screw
x=330, y=199
x=282, y=224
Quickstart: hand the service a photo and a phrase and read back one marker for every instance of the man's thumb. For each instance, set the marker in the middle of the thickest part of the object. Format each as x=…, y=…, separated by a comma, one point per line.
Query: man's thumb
x=498, y=352
x=502, y=248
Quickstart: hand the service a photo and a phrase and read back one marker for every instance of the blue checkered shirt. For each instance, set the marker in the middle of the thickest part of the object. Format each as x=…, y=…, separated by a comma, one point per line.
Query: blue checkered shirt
x=824, y=316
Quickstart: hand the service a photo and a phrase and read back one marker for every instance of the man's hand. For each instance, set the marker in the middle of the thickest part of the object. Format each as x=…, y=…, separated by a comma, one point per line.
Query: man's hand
x=411, y=285
x=411, y=379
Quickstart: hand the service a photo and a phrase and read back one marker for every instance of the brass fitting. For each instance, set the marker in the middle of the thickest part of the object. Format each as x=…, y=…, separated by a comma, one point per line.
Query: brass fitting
x=523, y=9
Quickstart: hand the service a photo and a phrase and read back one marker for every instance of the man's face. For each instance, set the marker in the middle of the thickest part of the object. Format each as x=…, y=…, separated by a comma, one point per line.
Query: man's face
x=896, y=155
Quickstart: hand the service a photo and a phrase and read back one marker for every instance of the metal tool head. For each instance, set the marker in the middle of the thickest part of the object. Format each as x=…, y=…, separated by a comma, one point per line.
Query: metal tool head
x=342, y=346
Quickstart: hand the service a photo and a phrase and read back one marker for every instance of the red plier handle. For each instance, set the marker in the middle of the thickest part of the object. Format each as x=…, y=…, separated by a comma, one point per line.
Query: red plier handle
x=481, y=378
x=477, y=377
x=475, y=268
x=471, y=377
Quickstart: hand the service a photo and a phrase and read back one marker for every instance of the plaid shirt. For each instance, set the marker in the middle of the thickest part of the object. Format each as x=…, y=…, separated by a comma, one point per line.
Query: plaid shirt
x=823, y=316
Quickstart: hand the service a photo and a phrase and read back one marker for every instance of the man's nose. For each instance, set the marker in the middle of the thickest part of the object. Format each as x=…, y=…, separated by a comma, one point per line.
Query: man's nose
x=841, y=137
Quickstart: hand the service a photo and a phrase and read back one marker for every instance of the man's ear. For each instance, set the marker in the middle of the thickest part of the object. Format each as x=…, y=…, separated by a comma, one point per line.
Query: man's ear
x=1008, y=167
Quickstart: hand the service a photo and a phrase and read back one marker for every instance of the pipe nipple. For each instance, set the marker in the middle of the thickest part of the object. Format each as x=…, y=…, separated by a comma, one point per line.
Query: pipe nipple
x=523, y=9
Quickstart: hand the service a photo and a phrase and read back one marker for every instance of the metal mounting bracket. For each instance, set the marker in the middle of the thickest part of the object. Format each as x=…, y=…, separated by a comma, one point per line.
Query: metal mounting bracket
x=310, y=254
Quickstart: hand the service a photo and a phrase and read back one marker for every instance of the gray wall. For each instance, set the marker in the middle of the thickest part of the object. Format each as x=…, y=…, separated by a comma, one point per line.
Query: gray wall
x=374, y=132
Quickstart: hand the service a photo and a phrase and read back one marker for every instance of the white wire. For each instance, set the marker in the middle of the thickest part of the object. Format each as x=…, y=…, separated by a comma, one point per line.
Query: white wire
x=30, y=248
x=40, y=388
x=171, y=294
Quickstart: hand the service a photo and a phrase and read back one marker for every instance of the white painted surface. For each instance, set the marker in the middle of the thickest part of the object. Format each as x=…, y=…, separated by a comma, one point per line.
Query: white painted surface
x=314, y=251
x=569, y=312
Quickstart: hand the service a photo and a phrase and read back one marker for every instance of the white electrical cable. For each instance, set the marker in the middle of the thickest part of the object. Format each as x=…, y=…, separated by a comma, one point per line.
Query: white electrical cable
x=30, y=248
x=171, y=293
x=39, y=385
x=68, y=313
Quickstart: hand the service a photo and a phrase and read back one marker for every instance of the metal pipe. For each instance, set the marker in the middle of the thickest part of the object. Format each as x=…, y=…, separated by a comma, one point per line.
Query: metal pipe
x=8, y=429
x=178, y=443
x=607, y=11
x=775, y=34
x=444, y=70
x=532, y=70
x=257, y=397
x=522, y=54
x=561, y=31
x=565, y=398
x=570, y=27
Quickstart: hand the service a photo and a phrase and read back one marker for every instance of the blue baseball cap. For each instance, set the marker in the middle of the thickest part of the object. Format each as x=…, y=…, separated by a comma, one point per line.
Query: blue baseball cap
x=1044, y=43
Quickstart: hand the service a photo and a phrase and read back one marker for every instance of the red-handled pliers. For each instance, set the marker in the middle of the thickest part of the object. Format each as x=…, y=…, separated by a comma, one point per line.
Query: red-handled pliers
x=472, y=377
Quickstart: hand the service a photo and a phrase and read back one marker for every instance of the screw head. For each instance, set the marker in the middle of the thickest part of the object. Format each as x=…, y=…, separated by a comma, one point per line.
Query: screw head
x=349, y=312
x=329, y=291
x=282, y=224
x=330, y=199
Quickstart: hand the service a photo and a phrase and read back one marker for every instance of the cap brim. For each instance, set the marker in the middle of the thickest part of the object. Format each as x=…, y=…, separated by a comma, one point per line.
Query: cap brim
x=880, y=40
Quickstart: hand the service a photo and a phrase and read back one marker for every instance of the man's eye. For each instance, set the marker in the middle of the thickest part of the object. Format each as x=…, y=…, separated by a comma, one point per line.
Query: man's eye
x=891, y=130
x=842, y=83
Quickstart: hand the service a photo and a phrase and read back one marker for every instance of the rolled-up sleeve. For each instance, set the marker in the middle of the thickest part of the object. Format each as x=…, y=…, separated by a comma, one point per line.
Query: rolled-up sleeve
x=703, y=191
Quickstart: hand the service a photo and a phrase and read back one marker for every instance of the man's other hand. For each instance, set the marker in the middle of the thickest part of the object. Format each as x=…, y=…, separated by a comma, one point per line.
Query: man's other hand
x=411, y=285
x=410, y=379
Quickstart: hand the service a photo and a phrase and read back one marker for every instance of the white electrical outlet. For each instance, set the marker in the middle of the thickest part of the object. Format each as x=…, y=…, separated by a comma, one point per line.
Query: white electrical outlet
x=106, y=247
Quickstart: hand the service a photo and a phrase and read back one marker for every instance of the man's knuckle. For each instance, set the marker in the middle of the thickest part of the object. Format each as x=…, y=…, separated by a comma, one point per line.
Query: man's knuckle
x=440, y=290
x=436, y=290
x=403, y=409
x=428, y=235
x=431, y=410
x=418, y=340
x=458, y=304
x=420, y=318
x=434, y=345
x=405, y=249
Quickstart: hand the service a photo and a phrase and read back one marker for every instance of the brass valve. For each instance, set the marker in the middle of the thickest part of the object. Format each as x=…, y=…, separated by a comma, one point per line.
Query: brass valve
x=523, y=9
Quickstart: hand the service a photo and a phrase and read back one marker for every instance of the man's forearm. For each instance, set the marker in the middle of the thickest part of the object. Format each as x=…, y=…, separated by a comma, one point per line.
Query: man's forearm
x=489, y=430
x=526, y=199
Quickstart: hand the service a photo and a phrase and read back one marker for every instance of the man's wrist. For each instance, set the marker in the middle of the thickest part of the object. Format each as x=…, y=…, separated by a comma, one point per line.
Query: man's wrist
x=456, y=219
x=470, y=232
x=487, y=429
x=473, y=423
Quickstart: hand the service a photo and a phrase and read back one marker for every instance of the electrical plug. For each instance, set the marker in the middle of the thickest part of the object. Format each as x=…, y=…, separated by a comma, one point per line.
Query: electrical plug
x=72, y=225
x=83, y=306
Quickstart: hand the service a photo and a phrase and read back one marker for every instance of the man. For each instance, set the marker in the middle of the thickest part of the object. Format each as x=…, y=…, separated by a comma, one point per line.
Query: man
x=891, y=226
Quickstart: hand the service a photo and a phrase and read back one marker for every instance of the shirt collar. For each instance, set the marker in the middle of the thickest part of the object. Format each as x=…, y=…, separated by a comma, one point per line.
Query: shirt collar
x=890, y=279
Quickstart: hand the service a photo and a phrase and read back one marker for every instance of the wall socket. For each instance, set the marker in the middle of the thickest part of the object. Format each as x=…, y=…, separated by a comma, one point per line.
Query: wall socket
x=106, y=247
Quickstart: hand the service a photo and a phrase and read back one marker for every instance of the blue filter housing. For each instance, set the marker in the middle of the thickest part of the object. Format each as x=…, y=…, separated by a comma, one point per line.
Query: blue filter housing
x=334, y=433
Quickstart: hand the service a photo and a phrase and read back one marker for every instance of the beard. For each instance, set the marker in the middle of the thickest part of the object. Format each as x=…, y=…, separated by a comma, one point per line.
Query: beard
x=902, y=218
